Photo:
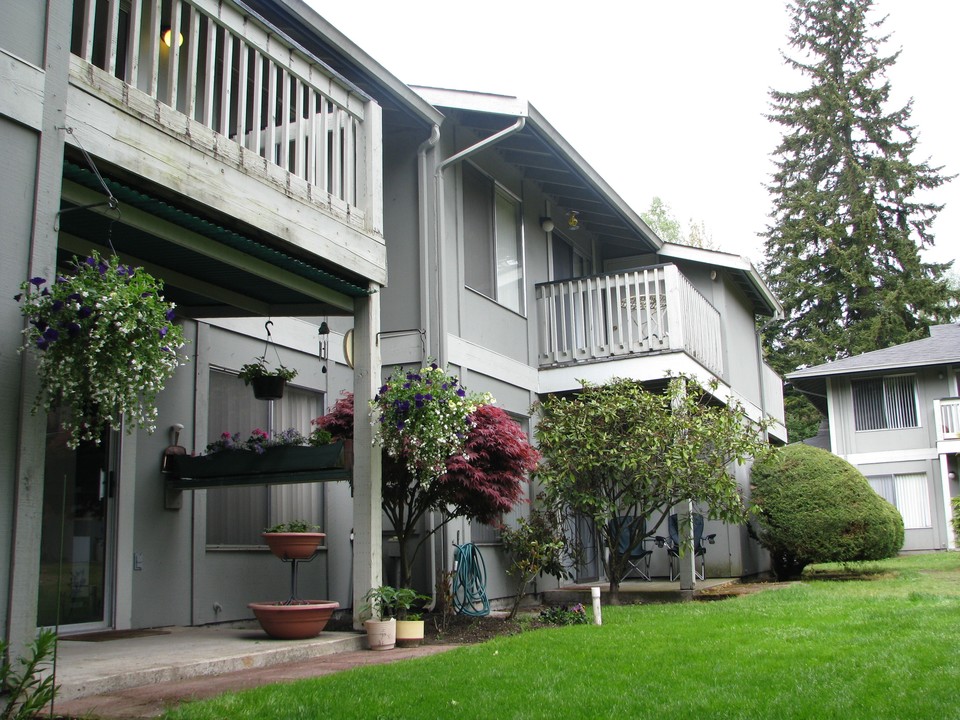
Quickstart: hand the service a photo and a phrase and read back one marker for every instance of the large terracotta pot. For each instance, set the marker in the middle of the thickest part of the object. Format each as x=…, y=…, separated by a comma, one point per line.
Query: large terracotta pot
x=296, y=620
x=293, y=546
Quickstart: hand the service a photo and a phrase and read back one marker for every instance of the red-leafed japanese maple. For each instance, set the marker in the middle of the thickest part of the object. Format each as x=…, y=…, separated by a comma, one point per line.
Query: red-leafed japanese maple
x=485, y=481
x=339, y=421
x=482, y=482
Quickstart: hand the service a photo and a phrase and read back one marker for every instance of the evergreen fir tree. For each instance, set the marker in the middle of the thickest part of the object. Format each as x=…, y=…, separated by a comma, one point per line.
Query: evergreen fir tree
x=851, y=211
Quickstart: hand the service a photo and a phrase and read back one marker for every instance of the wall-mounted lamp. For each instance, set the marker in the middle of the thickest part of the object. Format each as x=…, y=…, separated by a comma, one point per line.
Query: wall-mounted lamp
x=167, y=36
x=573, y=220
x=323, y=332
x=546, y=224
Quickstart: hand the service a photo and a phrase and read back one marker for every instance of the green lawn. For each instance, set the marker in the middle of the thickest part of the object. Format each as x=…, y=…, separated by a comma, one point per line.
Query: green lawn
x=886, y=647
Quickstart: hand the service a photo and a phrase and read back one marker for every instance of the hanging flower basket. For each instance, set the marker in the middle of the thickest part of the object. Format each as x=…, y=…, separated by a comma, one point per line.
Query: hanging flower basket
x=105, y=343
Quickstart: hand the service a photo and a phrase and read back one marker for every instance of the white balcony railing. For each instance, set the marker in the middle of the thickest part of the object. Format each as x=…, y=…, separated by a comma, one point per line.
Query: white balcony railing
x=947, y=414
x=233, y=75
x=626, y=313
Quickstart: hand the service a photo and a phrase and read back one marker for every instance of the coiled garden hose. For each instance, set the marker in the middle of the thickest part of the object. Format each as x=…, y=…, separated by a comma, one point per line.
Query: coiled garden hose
x=470, y=582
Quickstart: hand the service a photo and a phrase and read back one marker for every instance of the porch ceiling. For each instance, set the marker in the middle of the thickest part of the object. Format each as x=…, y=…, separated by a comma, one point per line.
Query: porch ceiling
x=566, y=180
x=208, y=270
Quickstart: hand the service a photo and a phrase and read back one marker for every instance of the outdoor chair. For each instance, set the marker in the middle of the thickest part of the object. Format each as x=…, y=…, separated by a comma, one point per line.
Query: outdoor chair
x=637, y=559
x=672, y=544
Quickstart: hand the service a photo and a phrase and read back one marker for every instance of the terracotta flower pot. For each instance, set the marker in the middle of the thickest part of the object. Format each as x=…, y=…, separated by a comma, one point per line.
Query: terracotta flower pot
x=293, y=546
x=297, y=620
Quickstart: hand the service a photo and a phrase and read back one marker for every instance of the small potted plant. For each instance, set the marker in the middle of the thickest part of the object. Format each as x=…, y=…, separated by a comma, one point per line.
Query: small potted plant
x=382, y=625
x=294, y=540
x=267, y=384
x=409, y=622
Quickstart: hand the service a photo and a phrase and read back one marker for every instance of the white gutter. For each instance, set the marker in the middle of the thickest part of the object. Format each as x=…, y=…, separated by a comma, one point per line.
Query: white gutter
x=441, y=211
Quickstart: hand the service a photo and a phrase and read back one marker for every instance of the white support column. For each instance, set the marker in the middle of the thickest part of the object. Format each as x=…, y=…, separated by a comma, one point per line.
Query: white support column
x=687, y=560
x=24, y=576
x=367, y=533
x=951, y=540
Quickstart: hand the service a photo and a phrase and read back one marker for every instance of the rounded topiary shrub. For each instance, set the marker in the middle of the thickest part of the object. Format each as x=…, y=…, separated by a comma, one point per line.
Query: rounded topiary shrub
x=816, y=507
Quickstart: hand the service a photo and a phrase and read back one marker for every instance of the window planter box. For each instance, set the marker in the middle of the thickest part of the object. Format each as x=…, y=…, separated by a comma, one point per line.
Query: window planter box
x=276, y=466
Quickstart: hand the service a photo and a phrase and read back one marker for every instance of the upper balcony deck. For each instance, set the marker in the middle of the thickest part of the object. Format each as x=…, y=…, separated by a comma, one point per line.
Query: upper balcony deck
x=649, y=310
x=224, y=99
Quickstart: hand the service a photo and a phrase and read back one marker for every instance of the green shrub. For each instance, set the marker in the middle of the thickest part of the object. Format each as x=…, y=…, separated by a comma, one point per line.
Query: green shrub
x=26, y=686
x=956, y=517
x=816, y=507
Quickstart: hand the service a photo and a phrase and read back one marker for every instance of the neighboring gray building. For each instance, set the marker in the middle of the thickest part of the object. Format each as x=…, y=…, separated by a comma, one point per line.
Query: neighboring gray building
x=895, y=415
x=268, y=169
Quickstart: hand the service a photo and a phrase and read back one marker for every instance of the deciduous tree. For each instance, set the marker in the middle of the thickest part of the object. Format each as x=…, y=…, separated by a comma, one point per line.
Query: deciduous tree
x=621, y=449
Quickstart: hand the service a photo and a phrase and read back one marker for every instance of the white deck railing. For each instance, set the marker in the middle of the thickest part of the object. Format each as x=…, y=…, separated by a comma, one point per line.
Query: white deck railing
x=947, y=414
x=235, y=76
x=626, y=313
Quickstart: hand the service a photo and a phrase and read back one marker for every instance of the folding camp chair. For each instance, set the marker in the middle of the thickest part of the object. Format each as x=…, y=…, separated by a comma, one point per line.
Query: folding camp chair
x=625, y=529
x=672, y=544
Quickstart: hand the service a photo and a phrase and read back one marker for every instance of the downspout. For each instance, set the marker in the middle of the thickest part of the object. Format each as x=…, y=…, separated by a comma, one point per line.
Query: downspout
x=441, y=211
x=442, y=354
x=426, y=146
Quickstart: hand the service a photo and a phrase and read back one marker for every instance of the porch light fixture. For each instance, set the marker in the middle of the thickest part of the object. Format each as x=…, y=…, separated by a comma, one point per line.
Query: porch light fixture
x=167, y=36
x=546, y=224
x=573, y=220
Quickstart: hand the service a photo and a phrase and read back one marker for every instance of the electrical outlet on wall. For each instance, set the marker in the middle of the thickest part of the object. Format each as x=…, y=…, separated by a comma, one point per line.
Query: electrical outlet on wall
x=138, y=561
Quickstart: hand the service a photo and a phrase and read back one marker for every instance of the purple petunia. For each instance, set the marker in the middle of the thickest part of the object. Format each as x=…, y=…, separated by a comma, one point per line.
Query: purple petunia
x=170, y=315
x=84, y=312
x=73, y=329
x=163, y=331
x=37, y=281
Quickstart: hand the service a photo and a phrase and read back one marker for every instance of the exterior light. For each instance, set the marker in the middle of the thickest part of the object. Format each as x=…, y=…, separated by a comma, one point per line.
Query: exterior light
x=573, y=220
x=546, y=224
x=167, y=37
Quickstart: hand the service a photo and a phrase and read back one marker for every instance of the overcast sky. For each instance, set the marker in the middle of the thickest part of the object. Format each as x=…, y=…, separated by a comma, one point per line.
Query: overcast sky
x=663, y=98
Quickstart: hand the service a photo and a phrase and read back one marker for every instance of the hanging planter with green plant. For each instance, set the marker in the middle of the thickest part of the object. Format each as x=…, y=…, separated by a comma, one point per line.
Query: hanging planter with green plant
x=267, y=384
x=105, y=342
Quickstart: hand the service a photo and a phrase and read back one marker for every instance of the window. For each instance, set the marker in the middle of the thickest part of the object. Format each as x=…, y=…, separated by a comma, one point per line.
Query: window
x=493, y=240
x=237, y=515
x=908, y=493
x=885, y=403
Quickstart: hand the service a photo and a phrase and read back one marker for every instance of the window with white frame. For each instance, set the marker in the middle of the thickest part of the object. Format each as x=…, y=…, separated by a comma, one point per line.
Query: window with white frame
x=885, y=403
x=493, y=239
x=908, y=493
x=237, y=515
